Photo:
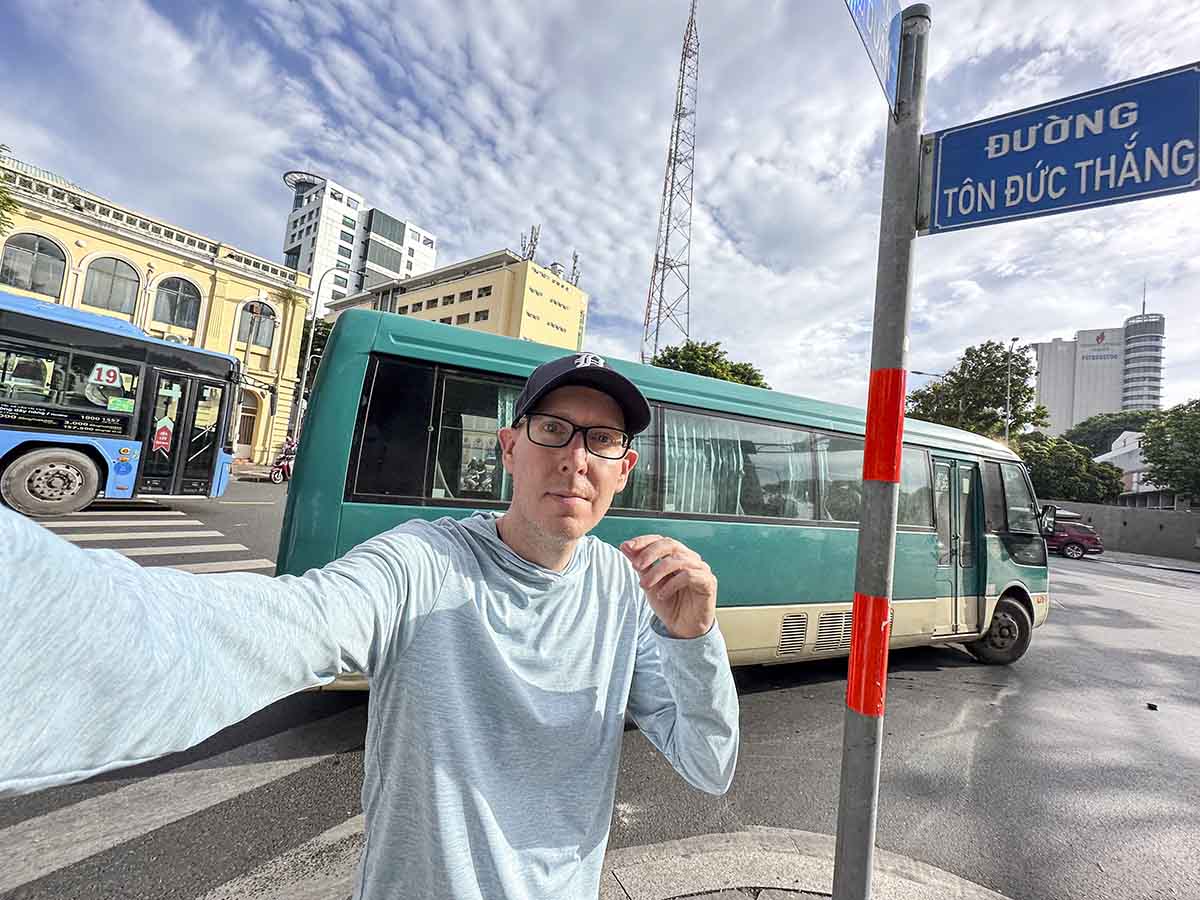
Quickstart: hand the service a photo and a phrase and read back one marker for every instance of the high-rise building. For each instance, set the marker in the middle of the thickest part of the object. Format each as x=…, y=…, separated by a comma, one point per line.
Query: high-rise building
x=1102, y=371
x=501, y=293
x=332, y=229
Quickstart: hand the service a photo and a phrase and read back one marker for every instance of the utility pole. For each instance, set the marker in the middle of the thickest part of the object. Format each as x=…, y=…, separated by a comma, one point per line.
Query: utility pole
x=862, y=740
x=1008, y=389
x=669, y=299
x=298, y=400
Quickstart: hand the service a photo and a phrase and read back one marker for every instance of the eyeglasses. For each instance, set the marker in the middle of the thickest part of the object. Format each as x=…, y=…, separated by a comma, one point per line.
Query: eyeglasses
x=600, y=440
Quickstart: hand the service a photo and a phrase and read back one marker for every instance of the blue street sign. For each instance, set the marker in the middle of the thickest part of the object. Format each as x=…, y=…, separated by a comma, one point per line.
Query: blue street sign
x=1132, y=140
x=878, y=24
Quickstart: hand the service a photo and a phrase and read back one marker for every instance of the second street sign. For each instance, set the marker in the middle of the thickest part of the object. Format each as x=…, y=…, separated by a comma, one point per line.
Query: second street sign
x=1132, y=140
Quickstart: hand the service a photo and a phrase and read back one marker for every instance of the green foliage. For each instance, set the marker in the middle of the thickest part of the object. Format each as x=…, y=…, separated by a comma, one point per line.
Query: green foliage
x=320, y=336
x=972, y=395
x=1171, y=447
x=702, y=358
x=1064, y=471
x=8, y=206
x=1098, y=432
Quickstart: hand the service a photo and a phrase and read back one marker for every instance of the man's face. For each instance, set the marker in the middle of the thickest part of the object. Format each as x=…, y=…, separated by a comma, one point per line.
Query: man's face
x=562, y=492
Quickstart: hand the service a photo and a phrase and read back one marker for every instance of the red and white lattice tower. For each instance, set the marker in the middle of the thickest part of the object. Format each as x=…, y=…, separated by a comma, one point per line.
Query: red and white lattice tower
x=668, y=300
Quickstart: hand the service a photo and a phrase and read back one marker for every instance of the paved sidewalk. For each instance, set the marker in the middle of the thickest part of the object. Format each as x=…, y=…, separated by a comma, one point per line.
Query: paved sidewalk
x=1149, y=562
x=766, y=864
x=251, y=472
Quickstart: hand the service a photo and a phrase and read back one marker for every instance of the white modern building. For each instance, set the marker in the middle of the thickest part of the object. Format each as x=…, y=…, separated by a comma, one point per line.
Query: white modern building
x=1101, y=371
x=1137, y=489
x=331, y=227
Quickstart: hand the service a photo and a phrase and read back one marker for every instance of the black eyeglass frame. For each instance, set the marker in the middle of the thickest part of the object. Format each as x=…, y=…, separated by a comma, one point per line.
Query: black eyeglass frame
x=576, y=429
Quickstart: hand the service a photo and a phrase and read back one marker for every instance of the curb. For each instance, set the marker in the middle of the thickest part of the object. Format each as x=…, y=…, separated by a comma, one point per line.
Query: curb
x=1146, y=565
x=782, y=862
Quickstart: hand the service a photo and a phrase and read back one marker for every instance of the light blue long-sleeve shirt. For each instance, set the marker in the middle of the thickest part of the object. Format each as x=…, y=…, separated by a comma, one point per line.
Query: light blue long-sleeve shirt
x=498, y=689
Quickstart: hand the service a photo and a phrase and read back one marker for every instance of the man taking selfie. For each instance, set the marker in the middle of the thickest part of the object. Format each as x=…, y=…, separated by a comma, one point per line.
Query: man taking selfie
x=503, y=653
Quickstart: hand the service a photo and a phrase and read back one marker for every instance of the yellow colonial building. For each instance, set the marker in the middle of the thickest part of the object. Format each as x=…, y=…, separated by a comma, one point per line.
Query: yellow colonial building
x=499, y=292
x=73, y=247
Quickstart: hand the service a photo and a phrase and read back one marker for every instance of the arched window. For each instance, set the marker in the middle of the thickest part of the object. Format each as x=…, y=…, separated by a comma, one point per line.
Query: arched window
x=177, y=303
x=111, y=284
x=33, y=263
x=257, y=324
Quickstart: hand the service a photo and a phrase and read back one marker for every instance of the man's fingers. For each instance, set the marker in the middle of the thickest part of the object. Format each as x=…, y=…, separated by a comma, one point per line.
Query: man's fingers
x=668, y=587
x=656, y=551
x=632, y=546
x=667, y=565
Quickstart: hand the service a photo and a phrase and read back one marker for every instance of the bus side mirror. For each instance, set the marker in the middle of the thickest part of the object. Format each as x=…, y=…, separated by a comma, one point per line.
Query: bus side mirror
x=1049, y=514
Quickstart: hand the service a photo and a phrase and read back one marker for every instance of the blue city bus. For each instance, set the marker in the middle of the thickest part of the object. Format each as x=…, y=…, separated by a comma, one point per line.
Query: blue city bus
x=92, y=406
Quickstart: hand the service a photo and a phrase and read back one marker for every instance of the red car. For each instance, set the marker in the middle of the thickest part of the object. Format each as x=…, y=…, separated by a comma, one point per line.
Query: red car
x=1074, y=540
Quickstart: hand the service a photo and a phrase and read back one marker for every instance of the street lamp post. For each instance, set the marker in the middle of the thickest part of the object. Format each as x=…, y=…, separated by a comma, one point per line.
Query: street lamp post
x=299, y=400
x=1008, y=389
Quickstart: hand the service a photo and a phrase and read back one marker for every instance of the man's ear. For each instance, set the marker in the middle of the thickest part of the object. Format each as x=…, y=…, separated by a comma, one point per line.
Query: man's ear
x=508, y=439
x=627, y=463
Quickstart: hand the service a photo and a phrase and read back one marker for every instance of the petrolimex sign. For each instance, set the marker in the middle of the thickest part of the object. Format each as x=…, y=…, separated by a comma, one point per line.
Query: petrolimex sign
x=1132, y=140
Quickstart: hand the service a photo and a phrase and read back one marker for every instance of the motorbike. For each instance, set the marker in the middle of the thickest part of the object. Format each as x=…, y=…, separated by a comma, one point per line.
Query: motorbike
x=281, y=469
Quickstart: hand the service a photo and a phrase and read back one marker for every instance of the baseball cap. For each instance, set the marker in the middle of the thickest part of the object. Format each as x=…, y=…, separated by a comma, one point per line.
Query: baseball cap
x=592, y=371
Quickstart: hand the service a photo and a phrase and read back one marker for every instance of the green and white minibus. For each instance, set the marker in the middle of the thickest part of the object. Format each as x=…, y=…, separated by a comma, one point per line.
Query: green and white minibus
x=765, y=486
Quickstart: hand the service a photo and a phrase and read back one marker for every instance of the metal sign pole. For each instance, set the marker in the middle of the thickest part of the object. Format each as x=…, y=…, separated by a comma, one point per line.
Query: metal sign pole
x=862, y=738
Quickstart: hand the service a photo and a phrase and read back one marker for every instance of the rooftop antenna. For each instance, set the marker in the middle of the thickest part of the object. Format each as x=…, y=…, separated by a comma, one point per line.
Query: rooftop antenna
x=1143, y=296
x=529, y=242
x=669, y=296
x=574, y=279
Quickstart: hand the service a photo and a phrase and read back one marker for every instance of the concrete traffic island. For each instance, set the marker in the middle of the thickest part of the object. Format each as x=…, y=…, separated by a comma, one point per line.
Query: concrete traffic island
x=766, y=864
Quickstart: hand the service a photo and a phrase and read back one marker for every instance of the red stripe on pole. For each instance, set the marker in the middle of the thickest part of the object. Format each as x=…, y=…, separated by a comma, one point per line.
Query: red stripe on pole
x=868, y=655
x=885, y=425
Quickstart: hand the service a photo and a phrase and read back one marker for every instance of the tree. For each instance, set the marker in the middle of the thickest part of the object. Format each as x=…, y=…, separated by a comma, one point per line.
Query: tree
x=703, y=358
x=1098, y=432
x=320, y=336
x=1171, y=447
x=8, y=206
x=972, y=394
x=1061, y=470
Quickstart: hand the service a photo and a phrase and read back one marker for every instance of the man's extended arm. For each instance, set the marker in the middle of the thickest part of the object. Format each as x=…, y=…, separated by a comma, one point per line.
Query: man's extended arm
x=684, y=700
x=108, y=664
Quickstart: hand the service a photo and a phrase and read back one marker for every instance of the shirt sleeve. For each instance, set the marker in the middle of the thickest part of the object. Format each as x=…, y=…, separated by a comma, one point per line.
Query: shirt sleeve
x=108, y=664
x=684, y=700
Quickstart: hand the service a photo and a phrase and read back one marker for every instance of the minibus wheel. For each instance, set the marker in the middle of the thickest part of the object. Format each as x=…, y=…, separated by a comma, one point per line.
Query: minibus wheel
x=1007, y=637
x=50, y=481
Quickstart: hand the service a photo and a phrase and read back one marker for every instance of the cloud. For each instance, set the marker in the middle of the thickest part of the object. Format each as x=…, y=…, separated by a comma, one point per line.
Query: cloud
x=475, y=119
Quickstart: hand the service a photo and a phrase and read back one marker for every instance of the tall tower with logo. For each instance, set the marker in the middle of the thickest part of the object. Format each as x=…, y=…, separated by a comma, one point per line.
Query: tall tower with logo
x=668, y=304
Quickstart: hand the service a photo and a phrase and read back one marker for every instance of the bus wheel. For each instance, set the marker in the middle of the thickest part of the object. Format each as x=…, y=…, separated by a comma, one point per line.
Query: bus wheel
x=1008, y=637
x=50, y=482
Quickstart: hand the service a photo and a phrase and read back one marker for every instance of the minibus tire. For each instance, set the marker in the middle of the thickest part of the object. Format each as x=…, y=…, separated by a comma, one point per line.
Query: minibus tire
x=69, y=473
x=1007, y=637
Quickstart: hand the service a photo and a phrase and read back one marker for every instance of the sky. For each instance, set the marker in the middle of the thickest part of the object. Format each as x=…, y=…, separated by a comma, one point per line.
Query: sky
x=474, y=120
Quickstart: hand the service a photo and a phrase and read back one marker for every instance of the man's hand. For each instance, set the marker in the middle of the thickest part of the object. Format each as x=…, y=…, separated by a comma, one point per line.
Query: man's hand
x=680, y=586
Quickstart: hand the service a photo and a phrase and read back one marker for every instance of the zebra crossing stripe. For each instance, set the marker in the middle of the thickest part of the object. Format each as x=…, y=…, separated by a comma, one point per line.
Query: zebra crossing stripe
x=90, y=514
x=37, y=847
x=143, y=536
x=122, y=523
x=224, y=565
x=321, y=868
x=182, y=548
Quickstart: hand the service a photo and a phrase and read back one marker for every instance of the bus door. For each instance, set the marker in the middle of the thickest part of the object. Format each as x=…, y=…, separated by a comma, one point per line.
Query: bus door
x=182, y=437
x=956, y=494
